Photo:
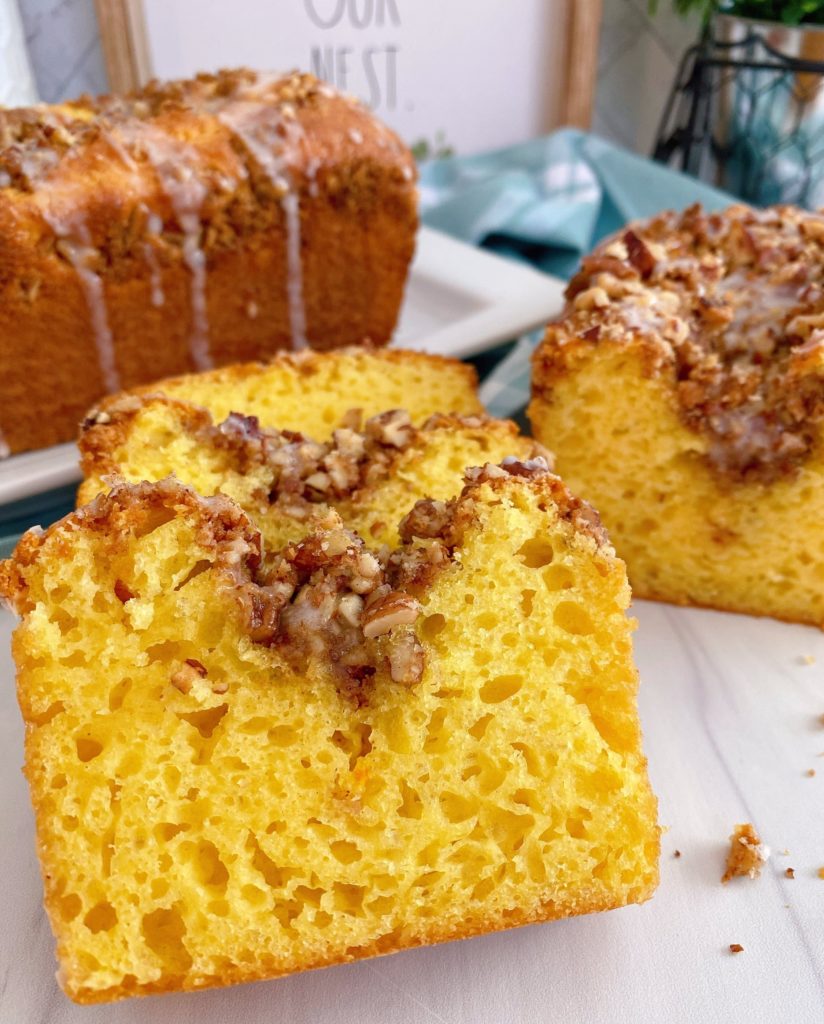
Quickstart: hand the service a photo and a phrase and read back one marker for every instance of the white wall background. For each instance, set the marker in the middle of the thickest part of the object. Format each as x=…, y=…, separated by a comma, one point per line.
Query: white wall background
x=64, y=47
x=485, y=72
x=16, y=80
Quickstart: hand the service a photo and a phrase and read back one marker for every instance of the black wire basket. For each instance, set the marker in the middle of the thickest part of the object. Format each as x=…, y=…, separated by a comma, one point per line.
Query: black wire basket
x=748, y=116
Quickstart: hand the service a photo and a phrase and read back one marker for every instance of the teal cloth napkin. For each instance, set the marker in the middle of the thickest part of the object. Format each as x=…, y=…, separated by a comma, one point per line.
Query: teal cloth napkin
x=547, y=202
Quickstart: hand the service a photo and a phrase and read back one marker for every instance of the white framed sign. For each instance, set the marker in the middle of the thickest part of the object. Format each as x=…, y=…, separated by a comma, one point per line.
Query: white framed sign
x=464, y=74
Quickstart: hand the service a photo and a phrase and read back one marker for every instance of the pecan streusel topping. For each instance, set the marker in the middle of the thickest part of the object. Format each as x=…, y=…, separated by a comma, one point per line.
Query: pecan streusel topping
x=305, y=472
x=440, y=522
x=331, y=598
x=733, y=301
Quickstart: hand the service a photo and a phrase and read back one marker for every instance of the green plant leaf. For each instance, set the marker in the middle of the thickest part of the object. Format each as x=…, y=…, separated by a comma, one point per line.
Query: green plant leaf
x=787, y=12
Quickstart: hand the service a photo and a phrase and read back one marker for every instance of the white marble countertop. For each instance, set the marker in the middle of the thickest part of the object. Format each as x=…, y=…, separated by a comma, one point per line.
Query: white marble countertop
x=731, y=712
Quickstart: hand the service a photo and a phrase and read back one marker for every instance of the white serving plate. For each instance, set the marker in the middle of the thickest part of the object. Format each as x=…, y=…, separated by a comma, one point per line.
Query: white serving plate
x=730, y=711
x=459, y=301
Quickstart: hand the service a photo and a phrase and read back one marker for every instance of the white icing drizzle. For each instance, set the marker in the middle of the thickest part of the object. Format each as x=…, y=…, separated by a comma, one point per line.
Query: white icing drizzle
x=36, y=162
x=294, y=278
x=74, y=242
x=175, y=163
x=80, y=256
x=123, y=154
x=262, y=129
x=269, y=133
x=153, y=222
x=312, y=168
x=75, y=245
x=154, y=226
x=760, y=308
x=195, y=260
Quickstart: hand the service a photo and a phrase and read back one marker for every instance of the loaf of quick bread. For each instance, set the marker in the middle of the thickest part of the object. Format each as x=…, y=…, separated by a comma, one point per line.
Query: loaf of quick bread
x=189, y=225
x=245, y=762
x=683, y=394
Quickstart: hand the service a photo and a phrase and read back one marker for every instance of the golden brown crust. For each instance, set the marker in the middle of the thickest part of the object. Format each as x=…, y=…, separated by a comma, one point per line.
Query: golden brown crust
x=59, y=148
x=134, y=509
x=107, y=428
x=306, y=363
x=727, y=308
x=516, y=917
x=642, y=593
x=94, y=183
x=447, y=521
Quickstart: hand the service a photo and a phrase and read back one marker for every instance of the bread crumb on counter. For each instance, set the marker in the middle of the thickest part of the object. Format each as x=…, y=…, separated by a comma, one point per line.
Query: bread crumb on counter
x=747, y=853
x=736, y=947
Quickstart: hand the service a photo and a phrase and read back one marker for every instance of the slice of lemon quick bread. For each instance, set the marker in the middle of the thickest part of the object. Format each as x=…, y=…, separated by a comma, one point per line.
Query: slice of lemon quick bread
x=371, y=472
x=683, y=394
x=312, y=391
x=244, y=765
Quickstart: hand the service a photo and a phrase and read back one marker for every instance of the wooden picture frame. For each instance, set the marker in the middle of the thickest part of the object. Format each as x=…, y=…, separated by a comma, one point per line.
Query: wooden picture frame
x=128, y=61
x=123, y=41
x=581, y=73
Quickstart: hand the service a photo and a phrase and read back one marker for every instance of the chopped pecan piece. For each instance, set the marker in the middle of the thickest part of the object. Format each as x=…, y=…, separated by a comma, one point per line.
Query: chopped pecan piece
x=406, y=660
x=638, y=254
x=393, y=609
x=427, y=518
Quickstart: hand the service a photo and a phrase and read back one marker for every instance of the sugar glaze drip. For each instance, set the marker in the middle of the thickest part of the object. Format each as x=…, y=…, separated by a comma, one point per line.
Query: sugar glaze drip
x=154, y=225
x=74, y=243
x=175, y=163
x=269, y=132
x=269, y=135
x=294, y=263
